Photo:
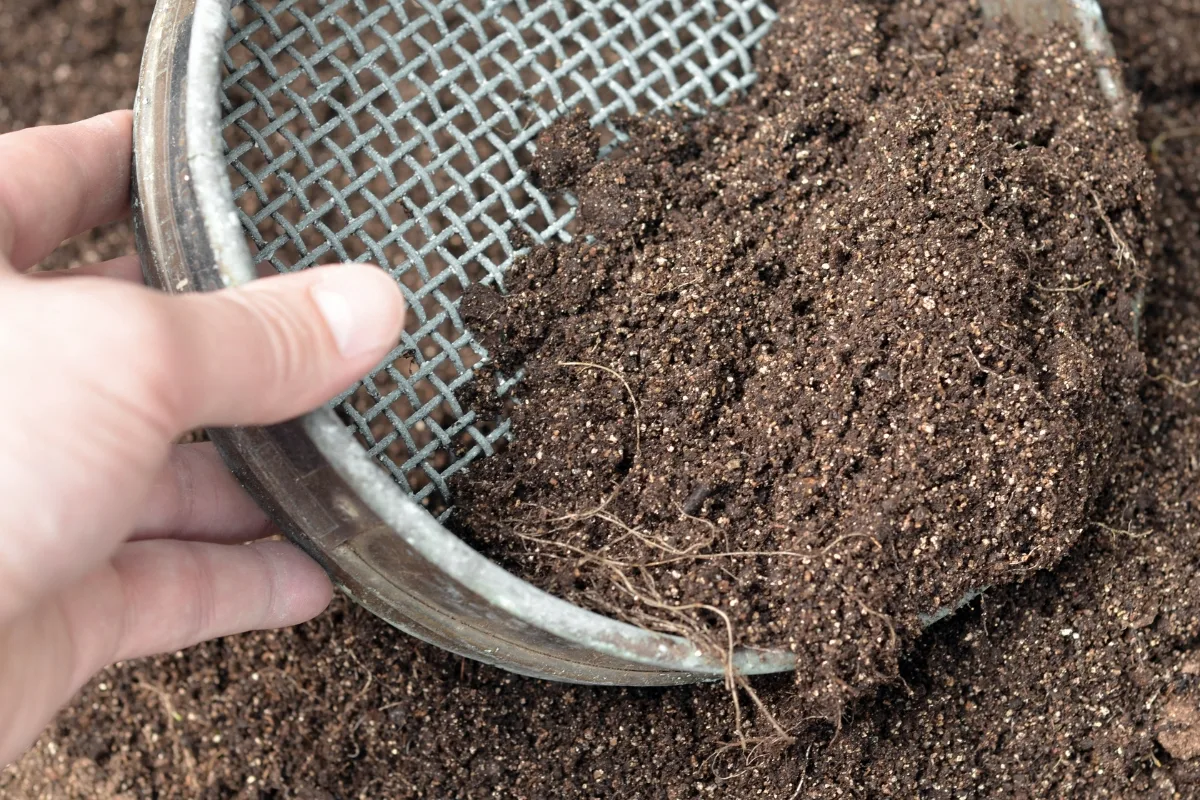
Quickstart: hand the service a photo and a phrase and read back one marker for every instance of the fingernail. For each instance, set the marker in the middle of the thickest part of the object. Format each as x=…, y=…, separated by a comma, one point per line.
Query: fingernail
x=360, y=308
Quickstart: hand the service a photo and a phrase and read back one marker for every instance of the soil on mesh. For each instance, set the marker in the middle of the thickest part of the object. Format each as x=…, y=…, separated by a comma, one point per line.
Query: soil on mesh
x=833, y=358
x=1081, y=682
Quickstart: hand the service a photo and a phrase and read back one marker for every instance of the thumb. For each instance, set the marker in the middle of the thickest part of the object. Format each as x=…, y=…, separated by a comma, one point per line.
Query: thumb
x=281, y=346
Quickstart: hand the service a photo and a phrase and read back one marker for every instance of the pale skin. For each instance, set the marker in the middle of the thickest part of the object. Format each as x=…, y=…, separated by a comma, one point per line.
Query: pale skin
x=115, y=542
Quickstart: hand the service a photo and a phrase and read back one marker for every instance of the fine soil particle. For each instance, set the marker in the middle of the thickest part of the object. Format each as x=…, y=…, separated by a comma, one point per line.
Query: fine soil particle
x=830, y=359
x=1080, y=682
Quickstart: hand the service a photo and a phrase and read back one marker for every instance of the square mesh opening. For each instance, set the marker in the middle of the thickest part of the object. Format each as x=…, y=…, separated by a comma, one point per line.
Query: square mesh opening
x=397, y=132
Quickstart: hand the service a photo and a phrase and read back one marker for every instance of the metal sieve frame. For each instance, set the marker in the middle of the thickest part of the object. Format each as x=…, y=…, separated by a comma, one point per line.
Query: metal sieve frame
x=378, y=545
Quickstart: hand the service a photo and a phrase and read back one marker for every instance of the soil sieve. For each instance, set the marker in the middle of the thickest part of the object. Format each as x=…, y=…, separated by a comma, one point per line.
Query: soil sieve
x=289, y=134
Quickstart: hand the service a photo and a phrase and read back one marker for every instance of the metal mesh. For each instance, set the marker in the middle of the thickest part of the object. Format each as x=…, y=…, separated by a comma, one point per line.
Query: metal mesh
x=397, y=132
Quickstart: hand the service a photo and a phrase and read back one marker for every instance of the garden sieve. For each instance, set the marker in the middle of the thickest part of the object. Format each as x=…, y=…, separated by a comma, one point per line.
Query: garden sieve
x=289, y=133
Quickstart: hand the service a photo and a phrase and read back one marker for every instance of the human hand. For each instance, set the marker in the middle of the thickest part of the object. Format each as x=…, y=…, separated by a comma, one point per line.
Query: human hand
x=114, y=542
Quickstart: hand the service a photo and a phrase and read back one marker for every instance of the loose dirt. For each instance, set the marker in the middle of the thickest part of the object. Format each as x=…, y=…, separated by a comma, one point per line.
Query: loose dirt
x=833, y=358
x=1080, y=682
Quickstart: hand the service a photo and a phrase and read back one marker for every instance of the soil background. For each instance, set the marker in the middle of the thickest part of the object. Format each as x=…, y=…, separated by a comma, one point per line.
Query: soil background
x=1082, y=682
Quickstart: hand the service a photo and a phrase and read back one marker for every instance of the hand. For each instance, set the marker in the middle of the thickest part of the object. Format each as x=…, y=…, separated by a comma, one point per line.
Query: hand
x=114, y=542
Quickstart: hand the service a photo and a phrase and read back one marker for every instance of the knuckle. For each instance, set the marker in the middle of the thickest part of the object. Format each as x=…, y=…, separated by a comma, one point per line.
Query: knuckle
x=270, y=604
x=197, y=575
x=286, y=344
x=126, y=356
x=141, y=338
x=183, y=473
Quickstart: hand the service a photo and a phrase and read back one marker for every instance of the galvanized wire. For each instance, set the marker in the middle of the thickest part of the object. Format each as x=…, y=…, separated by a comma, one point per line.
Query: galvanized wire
x=397, y=132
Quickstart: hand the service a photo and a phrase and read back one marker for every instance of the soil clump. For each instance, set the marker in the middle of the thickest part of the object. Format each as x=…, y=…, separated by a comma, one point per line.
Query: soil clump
x=1079, y=682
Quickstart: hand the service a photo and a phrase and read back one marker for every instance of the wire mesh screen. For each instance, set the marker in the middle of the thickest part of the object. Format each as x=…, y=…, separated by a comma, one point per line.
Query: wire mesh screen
x=397, y=132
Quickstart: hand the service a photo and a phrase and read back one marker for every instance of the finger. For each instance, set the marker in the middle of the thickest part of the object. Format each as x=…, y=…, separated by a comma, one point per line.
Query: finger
x=62, y=180
x=162, y=596
x=278, y=347
x=177, y=594
x=153, y=597
x=195, y=497
x=122, y=268
x=145, y=368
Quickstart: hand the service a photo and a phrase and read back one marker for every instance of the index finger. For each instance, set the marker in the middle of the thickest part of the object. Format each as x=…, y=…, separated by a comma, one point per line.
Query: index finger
x=60, y=180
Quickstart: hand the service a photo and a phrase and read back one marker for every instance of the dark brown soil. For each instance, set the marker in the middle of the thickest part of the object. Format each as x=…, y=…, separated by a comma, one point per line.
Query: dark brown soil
x=566, y=151
x=1080, y=682
x=835, y=357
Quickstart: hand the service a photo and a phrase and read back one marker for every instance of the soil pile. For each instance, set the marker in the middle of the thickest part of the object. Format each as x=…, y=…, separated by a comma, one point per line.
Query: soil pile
x=830, y=359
